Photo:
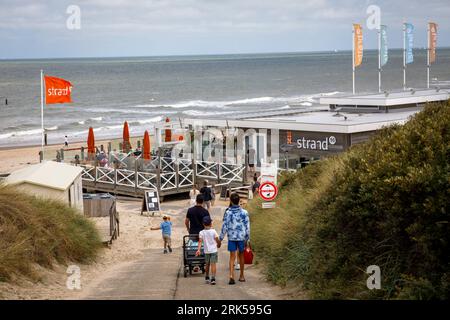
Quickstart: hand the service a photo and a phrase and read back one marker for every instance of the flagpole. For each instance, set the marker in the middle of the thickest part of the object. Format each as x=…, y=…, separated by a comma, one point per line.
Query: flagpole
x=404, y=56
x=42, y=112
x=379, y=59
x=428, y=58
x=353, y=58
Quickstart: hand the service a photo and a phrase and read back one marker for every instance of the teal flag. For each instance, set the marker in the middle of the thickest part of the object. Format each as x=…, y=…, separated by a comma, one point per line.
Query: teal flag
x=384, y=45
x=409, y=42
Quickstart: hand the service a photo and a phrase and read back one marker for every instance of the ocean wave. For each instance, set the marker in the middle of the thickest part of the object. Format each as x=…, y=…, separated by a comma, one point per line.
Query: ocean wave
x=147, y=121
x=218, y=103
x=199, y=113
x=95, y=119
x=21, y=133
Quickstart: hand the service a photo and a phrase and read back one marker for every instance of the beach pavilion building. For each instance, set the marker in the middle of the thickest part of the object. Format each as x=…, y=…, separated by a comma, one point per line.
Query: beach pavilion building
x=295, y=136
x=50, y=180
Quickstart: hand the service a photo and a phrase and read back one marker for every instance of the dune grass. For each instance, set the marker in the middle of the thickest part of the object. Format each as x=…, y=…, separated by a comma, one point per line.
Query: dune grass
x=37, y=231
x=385, y=202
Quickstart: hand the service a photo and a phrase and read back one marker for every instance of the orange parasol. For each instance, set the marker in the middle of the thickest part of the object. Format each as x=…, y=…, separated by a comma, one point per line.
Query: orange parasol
x=168, y=132
x=146, y=152
x=91, y=142
x=126, y=138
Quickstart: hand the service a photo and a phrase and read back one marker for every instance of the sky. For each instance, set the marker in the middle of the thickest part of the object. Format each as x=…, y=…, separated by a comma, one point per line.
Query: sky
x=114, y=28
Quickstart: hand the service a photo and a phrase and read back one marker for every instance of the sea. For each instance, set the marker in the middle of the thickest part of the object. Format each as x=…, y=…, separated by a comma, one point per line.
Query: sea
x=146, y=90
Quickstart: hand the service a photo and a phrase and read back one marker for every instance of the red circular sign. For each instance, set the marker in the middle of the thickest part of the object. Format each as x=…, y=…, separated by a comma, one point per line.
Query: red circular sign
x=268, y=191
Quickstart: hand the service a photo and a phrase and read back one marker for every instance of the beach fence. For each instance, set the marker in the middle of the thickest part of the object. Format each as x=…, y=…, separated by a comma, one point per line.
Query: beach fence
x=129, y=174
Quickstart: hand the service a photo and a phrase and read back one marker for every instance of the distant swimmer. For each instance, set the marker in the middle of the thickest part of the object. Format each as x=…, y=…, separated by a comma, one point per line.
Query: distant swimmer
x=66, y=141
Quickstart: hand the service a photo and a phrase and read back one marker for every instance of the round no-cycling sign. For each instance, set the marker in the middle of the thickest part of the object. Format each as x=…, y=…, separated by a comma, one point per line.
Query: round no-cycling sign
x=268, y=191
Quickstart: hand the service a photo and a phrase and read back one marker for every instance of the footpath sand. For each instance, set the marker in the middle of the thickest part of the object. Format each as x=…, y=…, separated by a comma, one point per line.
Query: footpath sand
x=139, y=250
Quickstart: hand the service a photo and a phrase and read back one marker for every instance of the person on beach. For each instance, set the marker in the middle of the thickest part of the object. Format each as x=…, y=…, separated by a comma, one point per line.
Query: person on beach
x=236, y=226
x=206, y=192
x=166, y=229
x=66, y=141
x=195, y=215
x=193, y=195
x=210, y=240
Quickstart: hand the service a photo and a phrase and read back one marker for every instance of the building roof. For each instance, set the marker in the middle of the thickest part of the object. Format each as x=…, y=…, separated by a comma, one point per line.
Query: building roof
x=48, y=174
x=390, y=99
x=317, y=121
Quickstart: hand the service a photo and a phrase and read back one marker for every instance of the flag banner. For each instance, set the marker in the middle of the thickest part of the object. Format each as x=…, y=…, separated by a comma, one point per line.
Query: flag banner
x=57, y=90
x=384, y=45
x=358, y=43
x=433, y=41
x=409, y=42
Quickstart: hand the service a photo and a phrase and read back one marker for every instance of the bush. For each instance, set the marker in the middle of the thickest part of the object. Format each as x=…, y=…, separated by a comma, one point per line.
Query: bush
x=381, y=203
x=40, y=231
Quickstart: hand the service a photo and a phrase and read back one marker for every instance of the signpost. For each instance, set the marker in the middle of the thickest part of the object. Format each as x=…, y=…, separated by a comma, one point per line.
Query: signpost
x=150, y=203
x=268, y=191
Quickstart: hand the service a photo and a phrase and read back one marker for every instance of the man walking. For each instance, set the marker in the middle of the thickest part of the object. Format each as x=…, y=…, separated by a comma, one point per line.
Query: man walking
x=236, y=225
x=195, y=215
x=206, y=192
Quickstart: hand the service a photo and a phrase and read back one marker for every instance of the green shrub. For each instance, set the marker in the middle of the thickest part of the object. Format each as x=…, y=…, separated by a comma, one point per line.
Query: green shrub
x=40, y=231
x=383, y=203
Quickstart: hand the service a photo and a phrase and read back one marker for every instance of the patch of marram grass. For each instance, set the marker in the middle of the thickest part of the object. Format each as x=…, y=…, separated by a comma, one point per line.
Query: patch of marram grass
x=37, y=231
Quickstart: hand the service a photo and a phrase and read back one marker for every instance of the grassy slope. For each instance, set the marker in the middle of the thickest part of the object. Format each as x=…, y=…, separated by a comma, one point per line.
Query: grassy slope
x=384, y=203
x=42, y=232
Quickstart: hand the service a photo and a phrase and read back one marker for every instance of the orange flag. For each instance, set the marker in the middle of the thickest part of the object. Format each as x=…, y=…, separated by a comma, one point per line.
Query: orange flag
x=358, y=44
x=57, y=90
x=433, y=41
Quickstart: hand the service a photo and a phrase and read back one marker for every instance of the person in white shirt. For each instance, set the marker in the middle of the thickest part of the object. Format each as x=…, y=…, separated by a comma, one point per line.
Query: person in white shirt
x=210, y=240
x=193, y=195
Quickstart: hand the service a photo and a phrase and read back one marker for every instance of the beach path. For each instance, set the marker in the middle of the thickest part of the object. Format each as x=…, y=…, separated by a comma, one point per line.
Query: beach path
x=155, y=275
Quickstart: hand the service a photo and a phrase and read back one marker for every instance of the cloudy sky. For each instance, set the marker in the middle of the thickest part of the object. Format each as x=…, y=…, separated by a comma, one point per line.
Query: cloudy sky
x=37, y=29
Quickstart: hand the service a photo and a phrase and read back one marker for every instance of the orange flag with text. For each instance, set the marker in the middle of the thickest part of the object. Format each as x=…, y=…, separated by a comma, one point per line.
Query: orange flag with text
x=433, y=41
x=57, y=90
x=358, y=44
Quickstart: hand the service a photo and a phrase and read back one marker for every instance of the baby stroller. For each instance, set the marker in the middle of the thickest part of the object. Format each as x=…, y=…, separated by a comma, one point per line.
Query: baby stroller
x=190, y=246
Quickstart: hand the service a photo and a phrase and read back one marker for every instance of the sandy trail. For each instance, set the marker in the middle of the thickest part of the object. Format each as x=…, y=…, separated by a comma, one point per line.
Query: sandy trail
x=155, y=275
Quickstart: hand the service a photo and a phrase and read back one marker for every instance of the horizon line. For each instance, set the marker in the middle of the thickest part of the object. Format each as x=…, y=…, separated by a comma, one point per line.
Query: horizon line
x=201, y=54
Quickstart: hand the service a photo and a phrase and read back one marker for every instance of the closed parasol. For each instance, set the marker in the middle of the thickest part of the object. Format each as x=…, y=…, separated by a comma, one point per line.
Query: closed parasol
x=91, y=143
x=126, y=138
x=146, y=152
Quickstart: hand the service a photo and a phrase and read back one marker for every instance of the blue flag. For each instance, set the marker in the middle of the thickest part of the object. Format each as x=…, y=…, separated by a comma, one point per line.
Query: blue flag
x=384, y=45
x=409, y=42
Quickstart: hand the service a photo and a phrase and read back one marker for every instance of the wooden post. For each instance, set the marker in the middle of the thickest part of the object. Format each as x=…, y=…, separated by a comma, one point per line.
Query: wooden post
x=82, y=153
x=177, y=178
x=218, y=172
x=135, y=176
x=109, y=147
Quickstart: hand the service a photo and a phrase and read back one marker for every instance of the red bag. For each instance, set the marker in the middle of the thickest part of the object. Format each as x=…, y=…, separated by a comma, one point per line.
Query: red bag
x=248, y=254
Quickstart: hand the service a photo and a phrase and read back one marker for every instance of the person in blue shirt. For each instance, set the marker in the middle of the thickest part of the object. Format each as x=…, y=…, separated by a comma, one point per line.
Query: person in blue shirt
x=236, y=226
x=166, y=229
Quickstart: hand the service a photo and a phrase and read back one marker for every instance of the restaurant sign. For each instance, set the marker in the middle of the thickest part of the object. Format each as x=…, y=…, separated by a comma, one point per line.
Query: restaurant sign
x=321, y=144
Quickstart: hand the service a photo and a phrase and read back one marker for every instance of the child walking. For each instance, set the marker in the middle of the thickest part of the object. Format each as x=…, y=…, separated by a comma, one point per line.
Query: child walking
x=210, y=240
x=166, y=229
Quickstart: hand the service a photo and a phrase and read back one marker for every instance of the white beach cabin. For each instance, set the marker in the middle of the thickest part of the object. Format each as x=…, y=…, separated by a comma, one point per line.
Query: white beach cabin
x=51, y=180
